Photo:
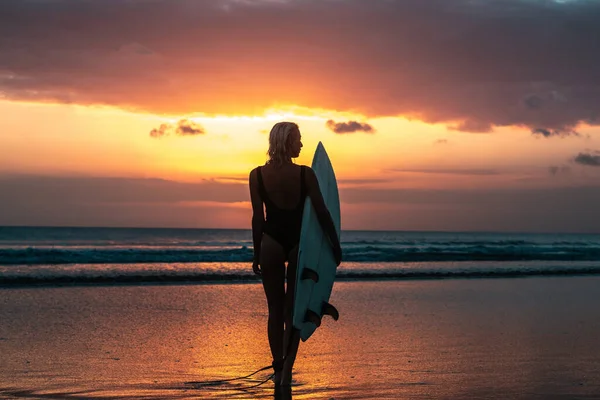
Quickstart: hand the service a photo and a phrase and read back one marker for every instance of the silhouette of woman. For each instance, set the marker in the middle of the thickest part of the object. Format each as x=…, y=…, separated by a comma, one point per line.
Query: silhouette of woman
x=282, y=187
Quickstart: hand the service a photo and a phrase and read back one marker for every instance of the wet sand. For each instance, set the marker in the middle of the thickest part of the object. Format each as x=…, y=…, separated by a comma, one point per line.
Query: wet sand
x=448, y=339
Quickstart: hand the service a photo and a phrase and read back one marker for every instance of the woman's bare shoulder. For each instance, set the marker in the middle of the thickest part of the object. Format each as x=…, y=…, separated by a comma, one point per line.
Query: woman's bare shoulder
x=305, y=167
x=252, y=174
x=308, y=170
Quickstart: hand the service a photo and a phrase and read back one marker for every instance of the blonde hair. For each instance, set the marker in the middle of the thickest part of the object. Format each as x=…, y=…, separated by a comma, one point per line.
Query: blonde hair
x=279, y=140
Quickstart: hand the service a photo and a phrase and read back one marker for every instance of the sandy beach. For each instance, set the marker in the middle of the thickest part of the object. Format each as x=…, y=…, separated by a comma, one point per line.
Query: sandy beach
x=447, y=339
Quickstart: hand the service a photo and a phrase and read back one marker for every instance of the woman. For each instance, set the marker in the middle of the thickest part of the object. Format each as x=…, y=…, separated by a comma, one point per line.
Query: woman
x=282, y=187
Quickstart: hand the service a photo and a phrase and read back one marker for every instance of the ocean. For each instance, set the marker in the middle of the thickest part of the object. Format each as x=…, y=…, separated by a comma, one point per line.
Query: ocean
x=140, y=313
x=49, y=255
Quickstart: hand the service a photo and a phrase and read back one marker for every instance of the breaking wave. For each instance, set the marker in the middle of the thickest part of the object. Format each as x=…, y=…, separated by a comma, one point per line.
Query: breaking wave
x=108, y=274
x=356, y=252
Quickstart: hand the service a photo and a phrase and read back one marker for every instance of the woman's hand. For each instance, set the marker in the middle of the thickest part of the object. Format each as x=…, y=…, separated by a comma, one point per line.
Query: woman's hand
x=256, y=268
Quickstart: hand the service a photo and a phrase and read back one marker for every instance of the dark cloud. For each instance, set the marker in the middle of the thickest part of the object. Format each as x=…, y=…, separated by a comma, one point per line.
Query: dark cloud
x=184, y=127
x=156, y=202
x=349, y=127
x=485, y=197
x=477, y=172
x=533, y=102
x=471, y=125
x=60, y=201
x=548, y=133
x=161, y=131
x=362, y=181
x=238, y=179
x=118, y=190
x=560, y=209
x=555, y=170
x=588, y=159
x=188, y=128
x=470, y=64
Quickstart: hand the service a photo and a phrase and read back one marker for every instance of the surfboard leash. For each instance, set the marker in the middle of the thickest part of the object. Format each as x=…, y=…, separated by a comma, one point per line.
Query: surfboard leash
x=276, y=365
x=258, y=384
x=217, y=382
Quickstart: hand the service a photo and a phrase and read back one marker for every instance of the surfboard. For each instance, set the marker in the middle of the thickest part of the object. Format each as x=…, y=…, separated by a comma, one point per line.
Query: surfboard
x=316, y=263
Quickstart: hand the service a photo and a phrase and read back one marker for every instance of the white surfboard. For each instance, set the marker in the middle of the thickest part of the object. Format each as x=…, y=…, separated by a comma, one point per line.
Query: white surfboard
x=316, y=263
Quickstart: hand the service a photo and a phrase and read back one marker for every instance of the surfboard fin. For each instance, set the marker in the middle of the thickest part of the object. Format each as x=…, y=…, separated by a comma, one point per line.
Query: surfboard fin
x=313, y=317
x=330, y=310
x=311, y=274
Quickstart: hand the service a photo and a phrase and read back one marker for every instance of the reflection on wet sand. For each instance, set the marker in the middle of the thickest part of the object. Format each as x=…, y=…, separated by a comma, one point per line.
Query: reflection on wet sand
x=444, y=339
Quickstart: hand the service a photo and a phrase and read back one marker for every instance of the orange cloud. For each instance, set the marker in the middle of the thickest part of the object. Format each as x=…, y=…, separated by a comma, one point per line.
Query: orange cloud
x=471, y=65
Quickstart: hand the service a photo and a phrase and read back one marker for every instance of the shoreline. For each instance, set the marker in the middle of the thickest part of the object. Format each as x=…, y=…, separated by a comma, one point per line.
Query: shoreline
x=59, y=282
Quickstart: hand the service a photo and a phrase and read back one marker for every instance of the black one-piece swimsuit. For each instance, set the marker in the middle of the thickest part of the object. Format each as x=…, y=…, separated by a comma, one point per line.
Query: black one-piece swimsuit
x=283, y=225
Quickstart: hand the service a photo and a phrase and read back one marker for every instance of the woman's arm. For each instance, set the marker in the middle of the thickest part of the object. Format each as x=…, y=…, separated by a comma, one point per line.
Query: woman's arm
x=323, y=215
x=258, y=219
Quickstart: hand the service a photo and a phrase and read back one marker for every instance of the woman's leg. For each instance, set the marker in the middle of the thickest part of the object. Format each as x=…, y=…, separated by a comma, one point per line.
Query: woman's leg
x=292, y=336
x=272, y=264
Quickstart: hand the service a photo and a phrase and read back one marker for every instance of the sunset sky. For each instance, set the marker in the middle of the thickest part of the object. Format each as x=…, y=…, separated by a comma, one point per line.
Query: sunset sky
x=437, y=114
